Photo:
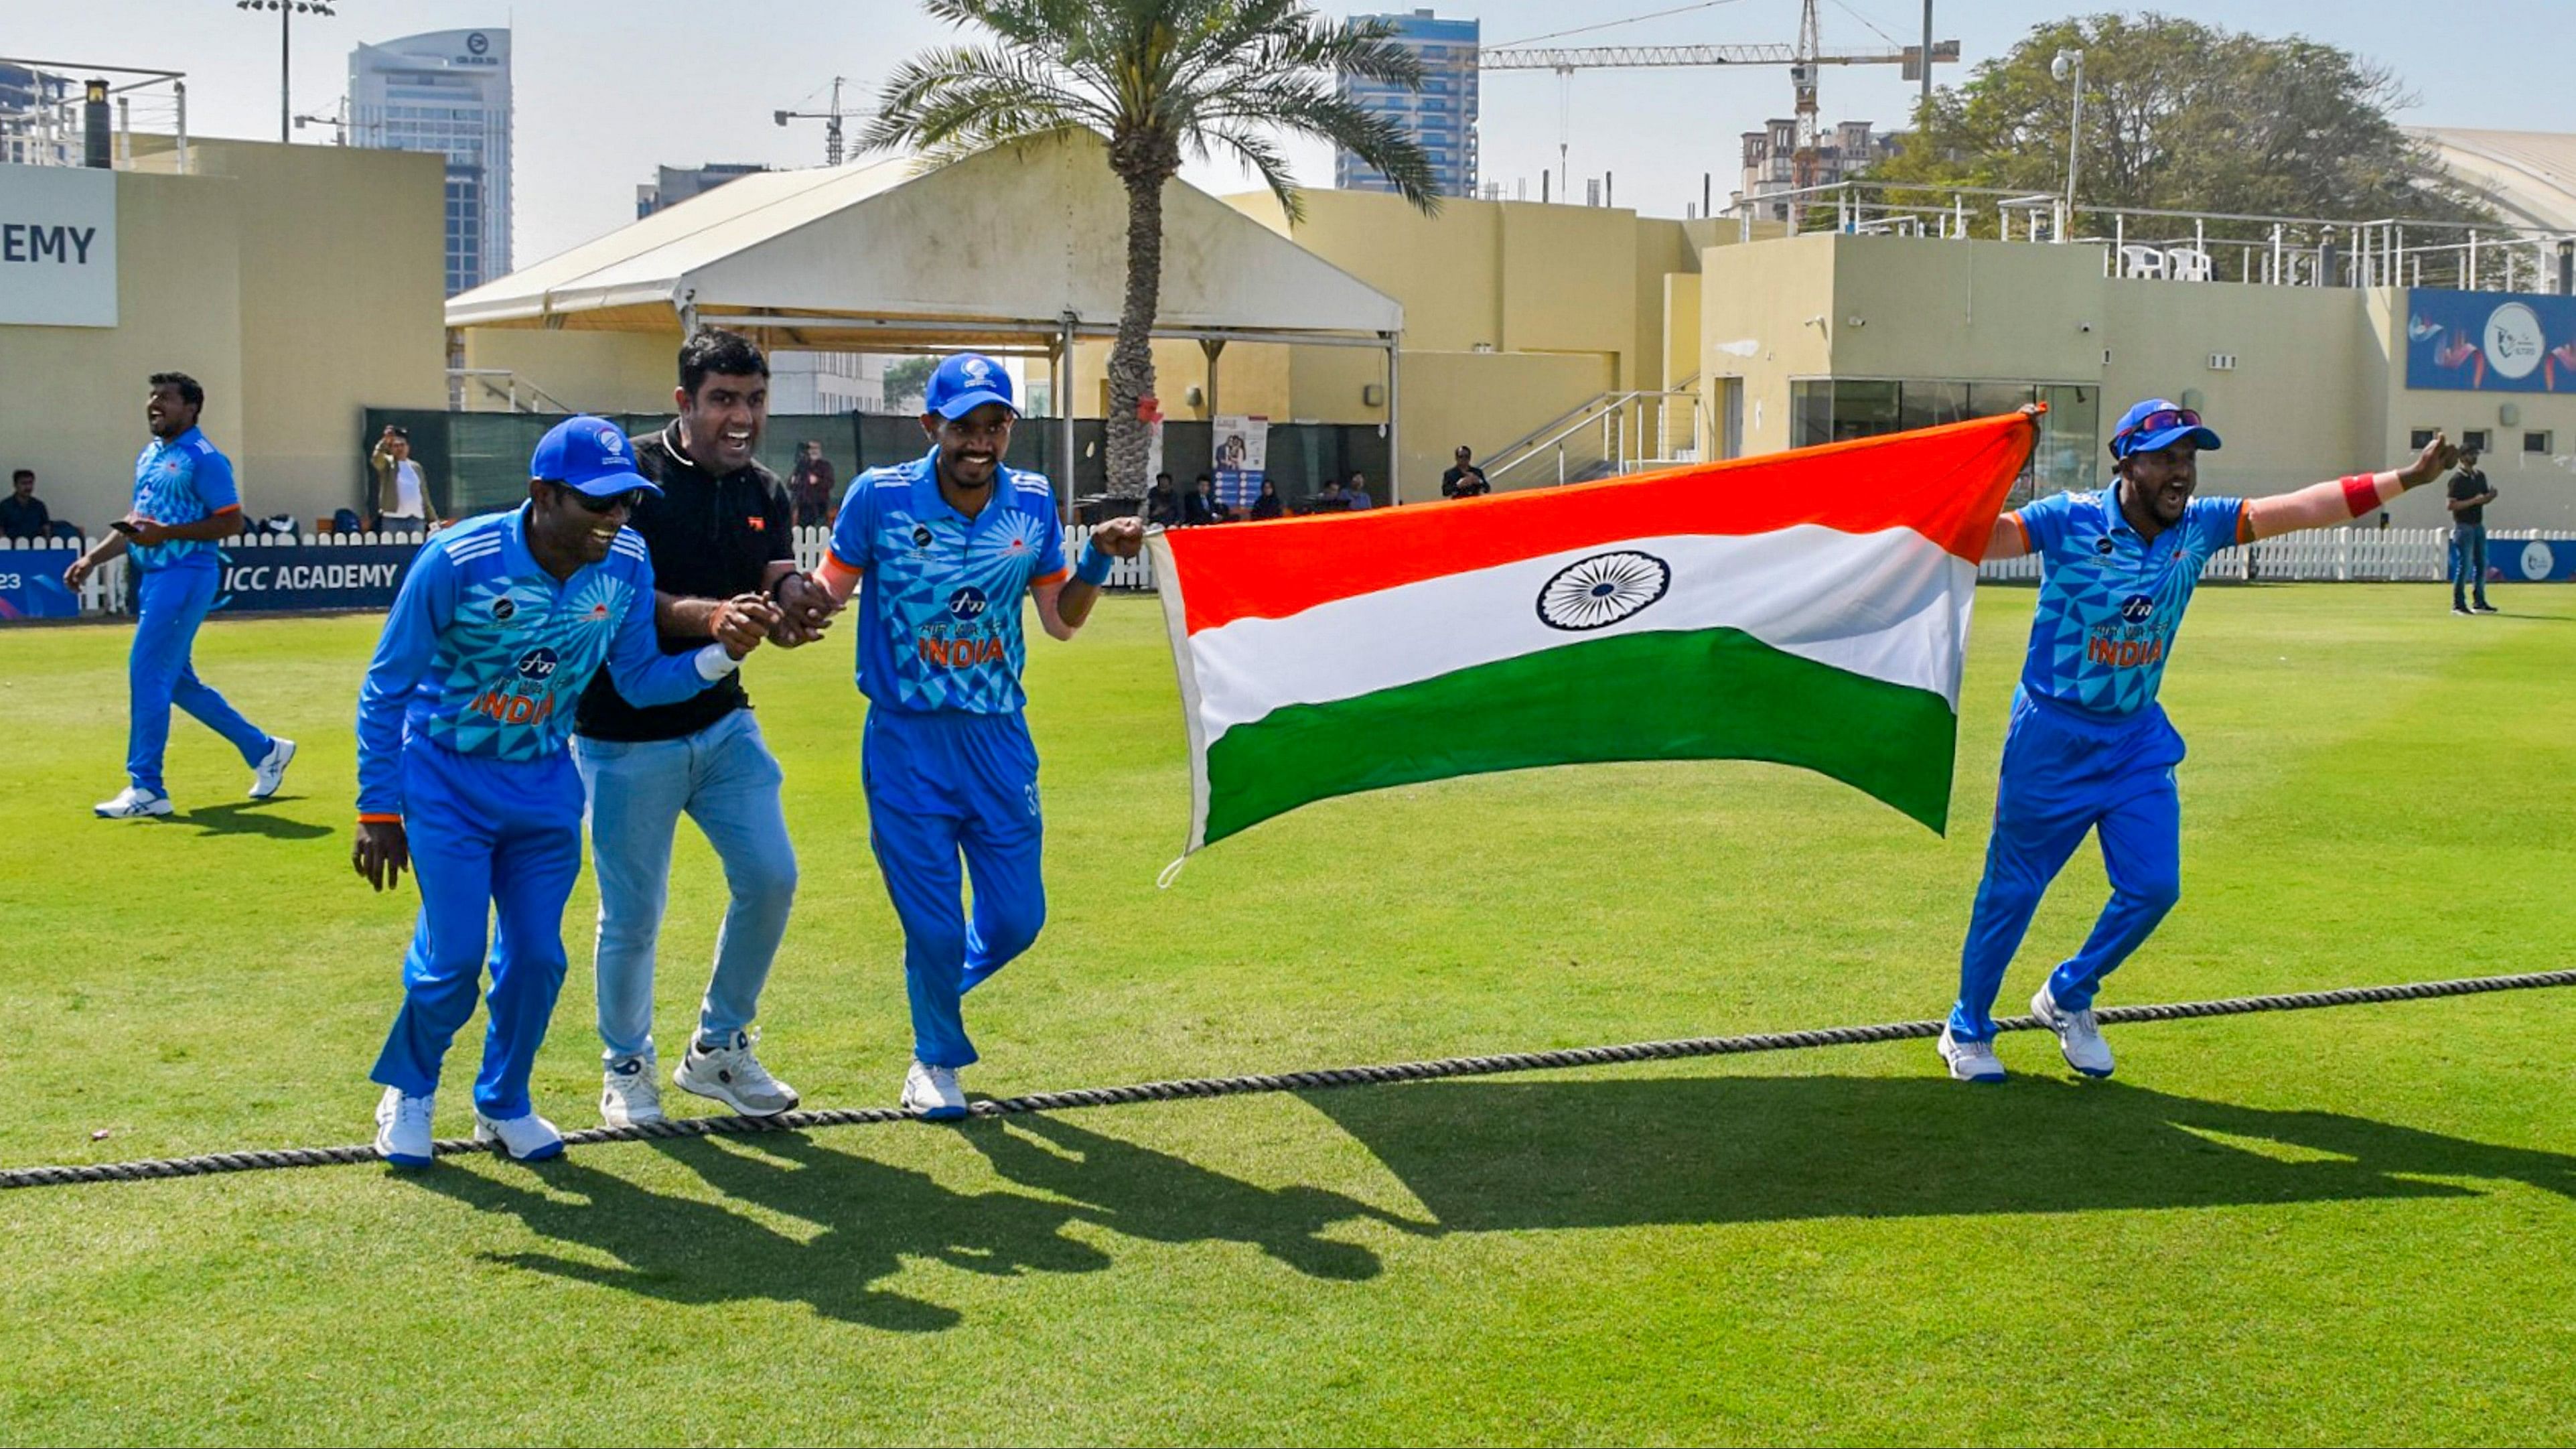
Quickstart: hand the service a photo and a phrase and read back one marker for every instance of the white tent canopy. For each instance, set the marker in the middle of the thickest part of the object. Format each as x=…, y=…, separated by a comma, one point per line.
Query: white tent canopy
x=1021, y=244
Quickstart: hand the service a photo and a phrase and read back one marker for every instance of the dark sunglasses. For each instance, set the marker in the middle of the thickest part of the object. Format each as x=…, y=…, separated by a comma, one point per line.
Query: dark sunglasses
x=603, y=506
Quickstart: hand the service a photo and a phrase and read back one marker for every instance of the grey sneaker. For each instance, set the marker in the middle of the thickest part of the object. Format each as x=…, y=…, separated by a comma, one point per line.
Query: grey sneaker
x=628, y=1095
x=731, y=1074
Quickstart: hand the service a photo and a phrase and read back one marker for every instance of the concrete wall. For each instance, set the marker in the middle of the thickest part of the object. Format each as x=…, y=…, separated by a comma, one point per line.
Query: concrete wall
x=603, y=372
x=299, y=285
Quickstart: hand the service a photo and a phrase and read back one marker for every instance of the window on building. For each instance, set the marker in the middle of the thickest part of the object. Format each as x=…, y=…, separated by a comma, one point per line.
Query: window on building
x=2537, y=443
x=2474, y=438
x=1835, y=410
x=2419, y=439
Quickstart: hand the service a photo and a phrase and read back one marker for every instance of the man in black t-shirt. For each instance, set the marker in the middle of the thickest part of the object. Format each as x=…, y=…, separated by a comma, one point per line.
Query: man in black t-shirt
x=1464, y=479
x=2468, y=502
x=22, y=513
x=722, y=538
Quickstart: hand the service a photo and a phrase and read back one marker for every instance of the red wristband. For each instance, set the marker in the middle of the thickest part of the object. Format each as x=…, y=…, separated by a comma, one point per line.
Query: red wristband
x=2361, y=493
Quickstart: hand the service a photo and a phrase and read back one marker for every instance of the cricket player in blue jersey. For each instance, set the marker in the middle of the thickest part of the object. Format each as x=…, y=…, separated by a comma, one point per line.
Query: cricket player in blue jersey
x=465, y=776
x=185, y=504
x=2089, y=748
x=940, y=551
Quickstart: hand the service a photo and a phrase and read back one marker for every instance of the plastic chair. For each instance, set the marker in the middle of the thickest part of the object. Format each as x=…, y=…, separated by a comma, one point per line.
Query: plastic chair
x=2189, y=264
x=2138, y=261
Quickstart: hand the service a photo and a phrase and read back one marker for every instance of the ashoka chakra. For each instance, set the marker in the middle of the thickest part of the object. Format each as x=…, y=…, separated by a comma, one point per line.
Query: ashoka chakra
x=1599, y=591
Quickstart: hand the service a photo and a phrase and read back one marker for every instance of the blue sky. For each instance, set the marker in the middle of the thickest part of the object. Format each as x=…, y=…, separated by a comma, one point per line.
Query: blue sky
x=607, y=89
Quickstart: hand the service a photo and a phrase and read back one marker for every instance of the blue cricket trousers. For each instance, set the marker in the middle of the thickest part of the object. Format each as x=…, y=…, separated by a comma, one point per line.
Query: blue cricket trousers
x=941, y=785
x=2064, y=774
x=489, y=839
x=726, y=780
x=169, y=605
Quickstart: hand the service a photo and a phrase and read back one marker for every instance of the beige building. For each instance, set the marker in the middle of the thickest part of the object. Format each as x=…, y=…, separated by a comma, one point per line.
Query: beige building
x=299, y=284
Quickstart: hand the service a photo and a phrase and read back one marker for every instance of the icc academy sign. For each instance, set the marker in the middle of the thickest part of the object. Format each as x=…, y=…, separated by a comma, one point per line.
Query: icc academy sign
x=57, y=246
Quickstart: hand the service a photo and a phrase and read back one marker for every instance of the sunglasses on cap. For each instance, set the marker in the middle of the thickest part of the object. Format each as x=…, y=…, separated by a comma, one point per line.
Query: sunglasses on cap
x=590, y=503
x=2161, y=419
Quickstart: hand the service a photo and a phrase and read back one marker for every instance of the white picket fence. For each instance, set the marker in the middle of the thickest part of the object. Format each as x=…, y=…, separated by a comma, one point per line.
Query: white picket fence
x=2341, y=555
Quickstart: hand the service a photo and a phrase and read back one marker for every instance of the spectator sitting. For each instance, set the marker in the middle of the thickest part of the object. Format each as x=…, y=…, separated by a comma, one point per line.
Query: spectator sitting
x=1162, y=502
x=809, y=485
x=1356, y=494
x=401, y=498
x=1331, y=499
x=1201, y=505
x=1268, y=504
x=22, y=513
x=1464, y=479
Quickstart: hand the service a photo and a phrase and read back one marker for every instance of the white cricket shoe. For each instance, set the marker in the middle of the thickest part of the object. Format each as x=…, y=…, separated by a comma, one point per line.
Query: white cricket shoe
x=527, y=1139
x=1970, y=1061
x=134, y=803
x=270, y=772
x=732, y=1075
x=933, y=1093
x=2079, y=1035
x=628, y=1095
x=402, y=1128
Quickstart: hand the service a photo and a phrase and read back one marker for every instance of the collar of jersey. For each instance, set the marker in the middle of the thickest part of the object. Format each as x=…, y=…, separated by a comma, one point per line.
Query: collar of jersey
x=927, y=503
x=2116, y=519
x=522, y=562
x=169, y=445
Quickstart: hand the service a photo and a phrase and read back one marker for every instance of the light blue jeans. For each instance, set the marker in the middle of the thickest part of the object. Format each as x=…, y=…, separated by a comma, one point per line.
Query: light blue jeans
x=727, y=781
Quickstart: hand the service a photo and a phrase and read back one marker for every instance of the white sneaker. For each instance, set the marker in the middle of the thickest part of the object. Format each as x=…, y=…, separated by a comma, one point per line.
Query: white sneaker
x=133, y=803
x=2079, y=1035
x=527, y=1139
x=933, y=1093
x=270, y=772
x=732, y=1075
x=402, y=1128
x=1970, y=1061
x=628, y=1095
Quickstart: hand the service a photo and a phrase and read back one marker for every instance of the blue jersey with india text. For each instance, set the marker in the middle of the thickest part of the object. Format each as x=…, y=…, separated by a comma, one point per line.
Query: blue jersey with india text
x=939, y=606
x=486, y=653
x=2110, y=601
x=181, y=480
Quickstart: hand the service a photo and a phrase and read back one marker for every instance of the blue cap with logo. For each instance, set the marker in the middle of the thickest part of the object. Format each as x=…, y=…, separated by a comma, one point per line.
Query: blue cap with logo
x=2157, y=424
x=591, y=455
x=966, y=382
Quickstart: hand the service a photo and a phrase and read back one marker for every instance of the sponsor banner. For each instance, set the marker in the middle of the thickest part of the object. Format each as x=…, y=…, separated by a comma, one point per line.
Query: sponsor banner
x=2490, y=342
x=57, y=246
x=306, y=576
x=1242, y=459
x=31, y=584
x=2538, y=561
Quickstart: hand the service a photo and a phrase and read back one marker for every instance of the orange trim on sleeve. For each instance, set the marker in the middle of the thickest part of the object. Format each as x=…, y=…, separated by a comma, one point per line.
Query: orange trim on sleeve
x=227, y=508
x=2023, y=529
x=379, y=819
x=2245, y=522
x=836, y=569
x=1042, y=580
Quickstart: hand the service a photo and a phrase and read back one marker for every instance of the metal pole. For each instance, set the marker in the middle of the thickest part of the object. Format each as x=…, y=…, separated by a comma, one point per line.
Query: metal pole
x=285, y=121
x=1394, y=429
x=2075, y=135
x=1064, y=407
x=180, y=90
x=1923, y=123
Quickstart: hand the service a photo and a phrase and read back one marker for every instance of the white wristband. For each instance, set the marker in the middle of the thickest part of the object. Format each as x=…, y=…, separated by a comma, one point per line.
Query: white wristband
x=714, y=663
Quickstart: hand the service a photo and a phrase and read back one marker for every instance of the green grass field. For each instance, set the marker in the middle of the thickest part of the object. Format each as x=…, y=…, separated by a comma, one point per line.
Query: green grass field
x=2331, y=1227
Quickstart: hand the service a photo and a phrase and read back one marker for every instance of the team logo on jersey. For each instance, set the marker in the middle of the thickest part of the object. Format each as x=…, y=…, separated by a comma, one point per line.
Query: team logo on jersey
x=538, y=664
x=921, y=535
x=2102, y=545
x=2136, y=608
x=967, y=603
x=502, y=609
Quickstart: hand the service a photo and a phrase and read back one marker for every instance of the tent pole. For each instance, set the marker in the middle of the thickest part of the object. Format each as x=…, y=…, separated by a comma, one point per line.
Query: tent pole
x=1394, y=439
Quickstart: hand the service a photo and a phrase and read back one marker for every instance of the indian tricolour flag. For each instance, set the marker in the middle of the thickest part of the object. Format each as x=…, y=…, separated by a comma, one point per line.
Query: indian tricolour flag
x=1809, y=608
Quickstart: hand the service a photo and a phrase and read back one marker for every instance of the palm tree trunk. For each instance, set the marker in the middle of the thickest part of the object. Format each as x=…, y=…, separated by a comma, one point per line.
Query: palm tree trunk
x=1131, y=359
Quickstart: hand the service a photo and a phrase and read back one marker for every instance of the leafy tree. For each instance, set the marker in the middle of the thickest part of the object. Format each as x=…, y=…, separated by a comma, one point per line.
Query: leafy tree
x=908, y=378
x=2186, y=117
x=1160, y=80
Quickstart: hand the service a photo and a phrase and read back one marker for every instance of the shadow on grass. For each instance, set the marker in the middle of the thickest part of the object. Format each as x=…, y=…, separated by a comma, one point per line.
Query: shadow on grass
x=1484, y=1156
x=244, y=817
x=870, y=1219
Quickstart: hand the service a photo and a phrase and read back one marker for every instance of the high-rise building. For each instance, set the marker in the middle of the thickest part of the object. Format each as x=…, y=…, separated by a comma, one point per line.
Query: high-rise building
x=675, y=184
x=1771, y=156
x=449, y=92
x=1441, y=117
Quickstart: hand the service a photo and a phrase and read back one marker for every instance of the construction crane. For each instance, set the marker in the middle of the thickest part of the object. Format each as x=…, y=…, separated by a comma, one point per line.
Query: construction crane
x=831, y=119
x=1803, y=59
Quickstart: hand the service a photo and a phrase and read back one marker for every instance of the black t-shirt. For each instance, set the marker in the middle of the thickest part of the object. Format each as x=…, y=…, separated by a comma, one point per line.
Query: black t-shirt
x=710, y=538
x=1467, y=482
x=23, y=520
x=2469, y=483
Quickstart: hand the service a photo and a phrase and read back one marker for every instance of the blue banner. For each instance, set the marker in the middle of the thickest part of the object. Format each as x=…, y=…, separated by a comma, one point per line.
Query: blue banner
x=2540, y=561
x=2490, y=342
x=31, y=584
x=258, y=576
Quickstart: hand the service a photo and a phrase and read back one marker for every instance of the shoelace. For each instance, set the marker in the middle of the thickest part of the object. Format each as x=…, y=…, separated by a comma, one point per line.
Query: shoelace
x=2083, y=1025
x=740, y=1061
x=411, y=1110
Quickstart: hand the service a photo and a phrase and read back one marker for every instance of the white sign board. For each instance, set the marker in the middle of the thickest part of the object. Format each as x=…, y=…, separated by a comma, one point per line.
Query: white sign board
x=57, y=246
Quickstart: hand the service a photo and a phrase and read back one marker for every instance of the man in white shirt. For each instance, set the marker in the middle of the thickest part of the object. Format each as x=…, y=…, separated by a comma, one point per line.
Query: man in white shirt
x=398, y=476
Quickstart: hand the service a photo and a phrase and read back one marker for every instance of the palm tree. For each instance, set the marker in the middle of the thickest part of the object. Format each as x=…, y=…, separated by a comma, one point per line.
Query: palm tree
x=1161, y=80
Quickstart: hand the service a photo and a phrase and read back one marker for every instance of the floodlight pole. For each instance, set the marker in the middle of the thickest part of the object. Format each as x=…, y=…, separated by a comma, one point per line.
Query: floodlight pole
x=1923, y=126
x=2072, y=61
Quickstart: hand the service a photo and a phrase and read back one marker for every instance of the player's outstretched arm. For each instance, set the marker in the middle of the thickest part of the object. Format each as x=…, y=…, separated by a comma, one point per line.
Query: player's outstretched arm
x=1065, y=604
x=646, y=676
x=2322, y=505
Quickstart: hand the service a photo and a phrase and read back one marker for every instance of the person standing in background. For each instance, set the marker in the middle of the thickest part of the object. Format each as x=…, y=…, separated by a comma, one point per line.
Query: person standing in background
x=2470, y=495
x=809, y=484
x=1464, y=479
x=402, y=493
x=185, y=503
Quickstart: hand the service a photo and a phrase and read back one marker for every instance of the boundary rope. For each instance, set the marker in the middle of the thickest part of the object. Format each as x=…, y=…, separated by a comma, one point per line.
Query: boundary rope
x=1305, y=1081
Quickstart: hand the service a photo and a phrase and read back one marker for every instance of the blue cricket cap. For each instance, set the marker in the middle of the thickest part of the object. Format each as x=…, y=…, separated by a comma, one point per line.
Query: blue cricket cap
x=591, y=455
x=966, y=382
x=2156, y=424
